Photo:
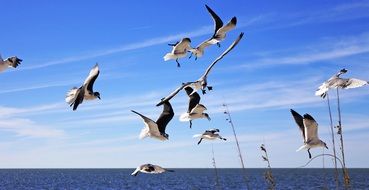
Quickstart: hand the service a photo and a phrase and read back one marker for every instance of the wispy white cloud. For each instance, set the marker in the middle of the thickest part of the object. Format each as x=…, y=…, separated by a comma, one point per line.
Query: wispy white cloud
x=28, y=128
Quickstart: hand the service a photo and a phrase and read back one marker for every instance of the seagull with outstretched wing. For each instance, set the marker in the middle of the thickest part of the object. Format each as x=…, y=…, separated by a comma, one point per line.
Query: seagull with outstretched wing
x=337, y=82
x=156, y=129
x=150, y=169
x=309, y=130
x=179, y=50
x=76, y=95
x=195, y=109
x=13, y=62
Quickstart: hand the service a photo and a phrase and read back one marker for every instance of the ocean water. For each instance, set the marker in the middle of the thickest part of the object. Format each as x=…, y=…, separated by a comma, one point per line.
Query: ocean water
x=193, y=179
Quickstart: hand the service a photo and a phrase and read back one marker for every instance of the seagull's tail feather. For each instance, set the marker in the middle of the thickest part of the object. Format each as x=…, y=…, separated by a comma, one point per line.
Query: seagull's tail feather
x=197, y=135
x=322, y=90
x=169, y=56
x=302, y=147
x=144, y=133
x=71, y=95
x=184, y=117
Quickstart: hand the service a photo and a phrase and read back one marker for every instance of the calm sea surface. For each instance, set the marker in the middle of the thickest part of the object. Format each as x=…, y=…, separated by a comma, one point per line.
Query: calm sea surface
x=181, y=179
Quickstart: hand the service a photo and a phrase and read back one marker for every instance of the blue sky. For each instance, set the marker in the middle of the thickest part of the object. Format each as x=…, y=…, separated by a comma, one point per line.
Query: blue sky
x=288, y=50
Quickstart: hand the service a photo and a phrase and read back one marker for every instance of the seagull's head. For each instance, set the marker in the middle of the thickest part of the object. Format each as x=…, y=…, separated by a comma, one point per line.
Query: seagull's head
x=97, y=95
x=206, y=116
x=186, y=40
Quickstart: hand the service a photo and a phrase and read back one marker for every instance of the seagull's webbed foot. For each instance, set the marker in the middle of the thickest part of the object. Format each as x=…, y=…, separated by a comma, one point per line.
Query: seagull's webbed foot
x=195, y=58
x=210, y=88
x=178, y=65
x=218, y=44
x=190, y=124
x=203, y=91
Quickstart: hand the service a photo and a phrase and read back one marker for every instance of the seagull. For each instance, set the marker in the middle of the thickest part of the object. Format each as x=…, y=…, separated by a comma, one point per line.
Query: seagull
x=195, y=109
x=309, y=130
x=202, y=83
x=76, y=95
x=220, y=30
x=210, y=134
x=336, y=82
x=179, y=50
x=13, y=61
x=157, y=129
x=150, y=169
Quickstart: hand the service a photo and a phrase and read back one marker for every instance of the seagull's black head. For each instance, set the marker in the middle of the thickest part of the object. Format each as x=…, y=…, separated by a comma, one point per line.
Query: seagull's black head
x=187, y=39
x=343, y=71
x=97, y=95
x=207, y=116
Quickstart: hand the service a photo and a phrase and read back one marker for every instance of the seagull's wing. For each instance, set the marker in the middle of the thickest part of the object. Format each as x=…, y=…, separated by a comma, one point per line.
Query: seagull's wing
x=79, y=99
x=299, y=121
x=212, y=131
x=223, y=54
x=174, y=93
x=322, y=90
x=218, y=23
x=13, y=61
x=136, y=171
x=231, y=24
x=149, y=124
x=159, y=169
x=181, y=47
x=199, y=108
x=311, y=127
x=89, y=82
x=204, y=44
x=355, y=83
x=194, y=98
x=165, y=117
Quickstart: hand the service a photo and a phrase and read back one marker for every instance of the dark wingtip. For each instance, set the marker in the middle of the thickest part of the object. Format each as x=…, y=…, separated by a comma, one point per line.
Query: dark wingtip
x=234, y=20
x=293, y=112
x=308, y=116
x=241, y=35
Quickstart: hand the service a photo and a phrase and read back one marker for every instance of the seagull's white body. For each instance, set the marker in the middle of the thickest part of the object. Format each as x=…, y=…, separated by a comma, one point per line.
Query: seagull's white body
x=196, y=113
x=9, y=62
x=150, y=169
x=309, y=129
x=337, y=82
x=72, y=97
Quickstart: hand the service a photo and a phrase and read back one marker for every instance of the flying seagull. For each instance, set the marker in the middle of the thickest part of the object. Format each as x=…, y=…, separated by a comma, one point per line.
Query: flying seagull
x=76, y=95
x=220, y=30
x=309, y=129
x=195, y=109
x=202, y=82
x=150, y=169
x=179, y=50
x=157, y=129
x=336, y=82
x=13, y=61
x=210, y=134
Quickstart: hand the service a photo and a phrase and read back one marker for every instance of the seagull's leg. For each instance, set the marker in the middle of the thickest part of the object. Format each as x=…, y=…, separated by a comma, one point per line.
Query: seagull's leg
x=195, y=58
x=309, y=153
x=190, y=124
x=218, y=44
x=178, y=65
x=191, y=56
x=199, y=141
x=210, y=87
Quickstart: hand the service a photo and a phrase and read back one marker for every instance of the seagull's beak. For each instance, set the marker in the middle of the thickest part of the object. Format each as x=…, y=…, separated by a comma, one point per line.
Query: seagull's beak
x=99, y=97
x=208, y=117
